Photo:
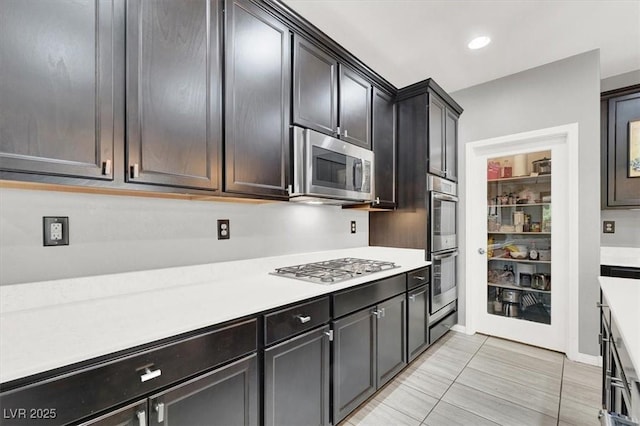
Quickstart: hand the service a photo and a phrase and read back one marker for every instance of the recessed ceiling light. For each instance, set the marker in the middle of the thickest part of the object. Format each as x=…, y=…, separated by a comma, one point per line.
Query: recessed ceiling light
x=479, y=42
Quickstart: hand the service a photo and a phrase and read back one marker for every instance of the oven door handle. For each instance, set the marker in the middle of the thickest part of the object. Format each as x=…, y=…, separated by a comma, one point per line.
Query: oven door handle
x=445, y=255
x=440, y=196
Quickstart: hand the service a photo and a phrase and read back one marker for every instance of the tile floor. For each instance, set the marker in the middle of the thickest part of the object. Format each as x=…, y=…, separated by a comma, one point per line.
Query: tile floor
x=479, y=380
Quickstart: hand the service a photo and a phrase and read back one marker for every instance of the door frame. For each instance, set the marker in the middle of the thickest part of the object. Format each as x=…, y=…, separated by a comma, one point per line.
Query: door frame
x=565, y=171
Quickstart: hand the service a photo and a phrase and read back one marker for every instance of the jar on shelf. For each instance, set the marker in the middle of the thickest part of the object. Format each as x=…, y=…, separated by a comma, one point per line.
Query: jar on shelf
x=506, y=169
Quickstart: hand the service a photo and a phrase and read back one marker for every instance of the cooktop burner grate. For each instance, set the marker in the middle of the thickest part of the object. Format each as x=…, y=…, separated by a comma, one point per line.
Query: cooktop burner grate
x=335, y=270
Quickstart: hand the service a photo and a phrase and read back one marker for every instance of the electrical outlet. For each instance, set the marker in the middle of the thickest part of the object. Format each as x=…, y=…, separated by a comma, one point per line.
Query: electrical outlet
x=224, y=232
x=55, y=231
x=609, y=226
x=353, y=226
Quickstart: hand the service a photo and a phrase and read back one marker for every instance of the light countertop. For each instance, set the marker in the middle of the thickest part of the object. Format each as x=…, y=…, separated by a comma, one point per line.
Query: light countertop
x=51, y=324
x=623, y=296
x=620, y=256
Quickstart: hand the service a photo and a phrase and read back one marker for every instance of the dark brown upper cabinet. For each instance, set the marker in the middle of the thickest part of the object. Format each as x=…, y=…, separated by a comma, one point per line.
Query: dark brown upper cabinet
x=620, y=172
x=443, y=139
x=330, y=97
x=315, y=87
x=174, y=82
x=384, y=148
x=355, y=108
x=56, y=88
x=258, y=81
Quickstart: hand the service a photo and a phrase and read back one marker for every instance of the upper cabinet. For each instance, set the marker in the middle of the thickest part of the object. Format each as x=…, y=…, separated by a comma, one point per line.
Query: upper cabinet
x=258, y=79
x=315, y=95
x=56, y=88
x=443, y=138
x=174, y=128
x=384, y=149
x=620, y=129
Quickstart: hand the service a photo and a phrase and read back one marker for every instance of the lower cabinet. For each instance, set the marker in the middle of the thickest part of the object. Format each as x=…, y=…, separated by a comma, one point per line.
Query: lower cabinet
x=296, y=382
x=417, y=318
x=368, y=350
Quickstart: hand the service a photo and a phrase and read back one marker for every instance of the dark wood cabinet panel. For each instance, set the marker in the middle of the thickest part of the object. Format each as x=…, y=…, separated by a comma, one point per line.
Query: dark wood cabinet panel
x=297, y=381
x=391, y=340
x=384, y=148
x=223, y=397
x=56, y=87
x=315, y=87
x=258, y=78
x=354, y=362
x=451, y=145
x=355, y=108
x=436, y=115
x=417, y=318
x=174, y=86
x=622, y=189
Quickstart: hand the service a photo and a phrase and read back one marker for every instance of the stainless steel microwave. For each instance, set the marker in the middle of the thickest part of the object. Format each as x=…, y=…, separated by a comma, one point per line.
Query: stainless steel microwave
x=330, y=170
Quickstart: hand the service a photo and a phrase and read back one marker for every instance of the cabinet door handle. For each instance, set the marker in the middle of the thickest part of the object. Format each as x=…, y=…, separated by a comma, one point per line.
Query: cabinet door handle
x=377, y=200
x=329, y=334
x=106, y=167
x=382, y=312
x=135, y=170
x=412, y=297
x=149, y=374
x=304, y=319
x=377, y=313
x=159, y=407
x=142, y=418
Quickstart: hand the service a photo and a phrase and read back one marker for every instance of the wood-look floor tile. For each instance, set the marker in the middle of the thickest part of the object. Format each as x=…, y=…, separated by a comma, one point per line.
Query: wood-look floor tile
x=407, y=400
x=552, y=369
x=441, y=366
x=375, y=413
x=584, y=374
x=574, y=413
x=521, y=348
x=495, y=409
x=585, y=395
x=461, y=342
x=429, y=383
x=450, y=352
x=533, y=379
x=511, y=390
x=449, y=415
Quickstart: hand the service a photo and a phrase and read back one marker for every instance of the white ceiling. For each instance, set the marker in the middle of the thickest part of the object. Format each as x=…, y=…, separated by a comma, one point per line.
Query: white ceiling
x=406, y=41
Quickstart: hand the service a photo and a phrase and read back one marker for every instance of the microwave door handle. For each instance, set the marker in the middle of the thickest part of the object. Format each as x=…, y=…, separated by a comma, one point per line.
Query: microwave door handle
x=445, y=255
x=357, y=175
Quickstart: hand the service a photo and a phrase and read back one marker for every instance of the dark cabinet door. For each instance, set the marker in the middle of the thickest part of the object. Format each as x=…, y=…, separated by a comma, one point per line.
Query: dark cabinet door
x=174, y=86
x=355, y=108
x=417, y=317
x=315, y=87
x=258, y=78
x=623, y=162
x=354, y=361
x=451, y=145
x=297, y=381
x=436, y=119
x=132, y=415
x=56, y=87
x=391, y=339
x=384, y=148
x=223, y=397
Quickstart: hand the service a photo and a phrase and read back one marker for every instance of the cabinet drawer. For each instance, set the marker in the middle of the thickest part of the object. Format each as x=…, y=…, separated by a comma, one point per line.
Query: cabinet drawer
x=82, y=393
x=417, y=278
x=366, y=295
x=291, y=321
x=441, y=328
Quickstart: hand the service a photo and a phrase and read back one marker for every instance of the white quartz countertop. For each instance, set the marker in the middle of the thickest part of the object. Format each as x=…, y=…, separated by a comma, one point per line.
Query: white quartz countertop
x=623, y=296
x=620, y=256
x=51, y=324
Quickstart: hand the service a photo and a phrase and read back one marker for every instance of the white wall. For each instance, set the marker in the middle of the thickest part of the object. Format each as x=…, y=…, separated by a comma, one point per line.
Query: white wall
x=558, y=93
x=110, y=234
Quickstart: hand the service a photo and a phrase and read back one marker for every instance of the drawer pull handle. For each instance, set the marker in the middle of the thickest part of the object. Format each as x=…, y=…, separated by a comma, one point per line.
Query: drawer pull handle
x=304, y=320
x=159, y=407
x=418, y=277
x=148, y=374
x=142, y=418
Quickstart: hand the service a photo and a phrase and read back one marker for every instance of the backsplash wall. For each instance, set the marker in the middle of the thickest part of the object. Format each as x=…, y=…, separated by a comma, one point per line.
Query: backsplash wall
x=110, y=234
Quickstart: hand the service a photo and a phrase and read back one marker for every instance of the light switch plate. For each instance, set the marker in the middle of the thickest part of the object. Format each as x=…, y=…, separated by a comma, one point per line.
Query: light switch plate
x=55, y=231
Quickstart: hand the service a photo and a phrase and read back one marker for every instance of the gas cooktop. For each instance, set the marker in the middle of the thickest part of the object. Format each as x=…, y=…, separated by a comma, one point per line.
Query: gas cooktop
x=335, y=270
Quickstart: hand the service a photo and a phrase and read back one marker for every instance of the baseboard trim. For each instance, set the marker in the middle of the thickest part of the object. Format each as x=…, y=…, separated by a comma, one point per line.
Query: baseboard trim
x=459, y=328
x=587, y=359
